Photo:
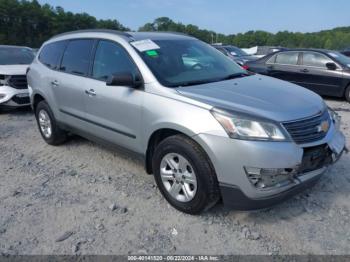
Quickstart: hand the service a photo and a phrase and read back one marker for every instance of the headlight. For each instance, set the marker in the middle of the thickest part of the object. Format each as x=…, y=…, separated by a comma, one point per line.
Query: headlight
x=335, y=117
x=241, y=127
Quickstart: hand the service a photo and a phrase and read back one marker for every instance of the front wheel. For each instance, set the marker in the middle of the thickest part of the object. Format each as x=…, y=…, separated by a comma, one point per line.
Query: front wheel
x=184, y=175
x=50, y=131
x=347, y=94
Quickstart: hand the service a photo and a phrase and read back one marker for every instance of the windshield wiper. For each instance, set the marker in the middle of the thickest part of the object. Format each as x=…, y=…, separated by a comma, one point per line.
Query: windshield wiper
x=201, y=82
x=193, y=83
x=236, y=75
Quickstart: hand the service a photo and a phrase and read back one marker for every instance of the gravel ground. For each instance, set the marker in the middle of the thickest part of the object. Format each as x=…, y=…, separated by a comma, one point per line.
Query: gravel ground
x=81, y=198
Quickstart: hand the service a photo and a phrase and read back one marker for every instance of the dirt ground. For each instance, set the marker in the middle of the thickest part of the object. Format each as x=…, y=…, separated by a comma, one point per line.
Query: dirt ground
x=81, y=198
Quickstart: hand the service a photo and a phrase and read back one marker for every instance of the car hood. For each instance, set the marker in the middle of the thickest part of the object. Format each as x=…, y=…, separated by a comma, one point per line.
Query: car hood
x=259, y=96
x=248, y=58
x=13, y=69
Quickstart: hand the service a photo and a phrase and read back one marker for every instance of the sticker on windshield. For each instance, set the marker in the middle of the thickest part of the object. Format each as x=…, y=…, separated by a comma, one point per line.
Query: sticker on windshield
x=145, y=45
x=152, y=53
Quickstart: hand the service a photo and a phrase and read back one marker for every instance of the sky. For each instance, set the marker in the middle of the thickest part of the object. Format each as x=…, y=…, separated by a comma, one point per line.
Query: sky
x=222, y=16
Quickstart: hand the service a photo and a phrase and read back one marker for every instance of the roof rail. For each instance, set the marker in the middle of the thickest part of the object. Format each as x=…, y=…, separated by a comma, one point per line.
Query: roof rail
x=165, y=32
x=174, y=32
x=94, y=31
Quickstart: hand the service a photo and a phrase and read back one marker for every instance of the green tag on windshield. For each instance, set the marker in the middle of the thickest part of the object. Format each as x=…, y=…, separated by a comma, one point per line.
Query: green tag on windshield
x=152, y=53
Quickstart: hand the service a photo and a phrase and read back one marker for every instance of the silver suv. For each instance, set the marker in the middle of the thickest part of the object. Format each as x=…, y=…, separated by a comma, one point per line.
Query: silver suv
x=206, y=128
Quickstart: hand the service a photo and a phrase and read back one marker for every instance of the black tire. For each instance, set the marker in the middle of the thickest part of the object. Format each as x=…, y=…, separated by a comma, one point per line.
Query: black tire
x=347, y=94
x=207, y=194
x=58, y=136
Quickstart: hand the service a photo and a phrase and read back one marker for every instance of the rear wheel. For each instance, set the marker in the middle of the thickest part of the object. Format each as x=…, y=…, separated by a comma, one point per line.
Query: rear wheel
x=347, y=93
x=50, y=131
x=184, y=175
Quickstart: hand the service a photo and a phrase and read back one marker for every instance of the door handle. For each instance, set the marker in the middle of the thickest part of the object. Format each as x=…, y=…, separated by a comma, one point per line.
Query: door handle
x=304, y=70
x=55, y=83
x=90, y=92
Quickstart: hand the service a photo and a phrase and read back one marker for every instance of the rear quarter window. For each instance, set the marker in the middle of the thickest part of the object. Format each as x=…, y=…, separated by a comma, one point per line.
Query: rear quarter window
x=51, y=54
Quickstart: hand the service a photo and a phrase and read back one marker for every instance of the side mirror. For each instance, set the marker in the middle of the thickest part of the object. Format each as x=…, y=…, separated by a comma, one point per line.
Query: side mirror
x=124, y=79
x=331, y=66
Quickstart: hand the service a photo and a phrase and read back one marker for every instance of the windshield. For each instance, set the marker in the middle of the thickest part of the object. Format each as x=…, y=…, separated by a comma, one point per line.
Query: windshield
x=15, y=56
x=236, y=51
x=188, y=62
x=341, y=58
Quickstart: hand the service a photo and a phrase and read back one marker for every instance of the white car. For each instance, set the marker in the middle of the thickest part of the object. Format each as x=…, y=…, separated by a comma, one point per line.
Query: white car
x=14, y=61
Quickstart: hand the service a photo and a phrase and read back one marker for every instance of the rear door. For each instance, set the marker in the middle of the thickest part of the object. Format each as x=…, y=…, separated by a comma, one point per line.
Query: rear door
x=284, y=66
x=317, y=77
x=113, y=112
x=70, y=82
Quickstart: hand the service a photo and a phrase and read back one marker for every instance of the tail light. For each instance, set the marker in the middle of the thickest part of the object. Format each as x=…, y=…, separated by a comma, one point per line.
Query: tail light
x=245, y=67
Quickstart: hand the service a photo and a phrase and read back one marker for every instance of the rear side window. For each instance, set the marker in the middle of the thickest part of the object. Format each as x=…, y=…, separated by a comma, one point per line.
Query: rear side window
x=315, y=59
x=110, y=58
x=288, y=58
x=76, y=58
x=51, y=54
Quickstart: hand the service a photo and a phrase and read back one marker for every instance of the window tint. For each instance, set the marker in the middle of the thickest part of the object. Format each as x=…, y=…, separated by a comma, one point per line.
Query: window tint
x=76, y=58
x=110, y=58
x=51, y=54
x=315, y=59
x=186, y=62
x=287, y=58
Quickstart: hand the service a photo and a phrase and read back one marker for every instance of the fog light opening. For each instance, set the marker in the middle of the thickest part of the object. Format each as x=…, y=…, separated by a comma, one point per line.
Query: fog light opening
x=262, y=178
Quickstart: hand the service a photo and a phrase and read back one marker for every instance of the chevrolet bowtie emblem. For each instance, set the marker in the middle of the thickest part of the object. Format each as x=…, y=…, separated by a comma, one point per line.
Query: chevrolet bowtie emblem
x=323, y=127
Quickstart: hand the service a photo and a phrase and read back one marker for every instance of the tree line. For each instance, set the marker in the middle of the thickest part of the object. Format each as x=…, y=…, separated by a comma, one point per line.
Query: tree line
x=29, y=23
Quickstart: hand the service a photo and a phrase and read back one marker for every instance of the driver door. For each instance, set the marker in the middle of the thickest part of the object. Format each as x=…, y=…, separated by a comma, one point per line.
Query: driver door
x=113, y=112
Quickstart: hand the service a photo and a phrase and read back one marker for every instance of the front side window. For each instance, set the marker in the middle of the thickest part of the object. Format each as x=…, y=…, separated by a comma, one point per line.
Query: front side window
x=345, y=60
x=315, y=59
x=188, y=62
x=76, y=58
x=16, y=56
x=287, y=58
x=51, y=54
x=110, y=58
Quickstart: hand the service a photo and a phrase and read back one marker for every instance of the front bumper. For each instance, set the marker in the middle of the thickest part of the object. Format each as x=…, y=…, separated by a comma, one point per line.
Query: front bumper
x=230, y=156
x=11, y=97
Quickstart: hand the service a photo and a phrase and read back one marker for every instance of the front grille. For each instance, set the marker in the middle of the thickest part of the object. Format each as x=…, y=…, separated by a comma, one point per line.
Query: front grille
x=309, y=129
x=315, y=158
x=18, y=81
x=21, y=100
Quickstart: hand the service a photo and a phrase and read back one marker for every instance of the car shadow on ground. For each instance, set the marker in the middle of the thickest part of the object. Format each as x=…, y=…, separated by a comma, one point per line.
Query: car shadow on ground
x=16, y=111
x=309, y=202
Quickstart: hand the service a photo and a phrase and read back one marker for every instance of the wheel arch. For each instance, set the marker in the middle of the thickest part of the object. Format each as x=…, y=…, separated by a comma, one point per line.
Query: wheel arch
x=37, y=98
x=154, y=139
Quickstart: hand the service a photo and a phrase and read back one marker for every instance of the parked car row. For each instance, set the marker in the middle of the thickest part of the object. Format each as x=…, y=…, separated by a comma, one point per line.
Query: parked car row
x=235, y=53
x=325, y=72
x=205, y=127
